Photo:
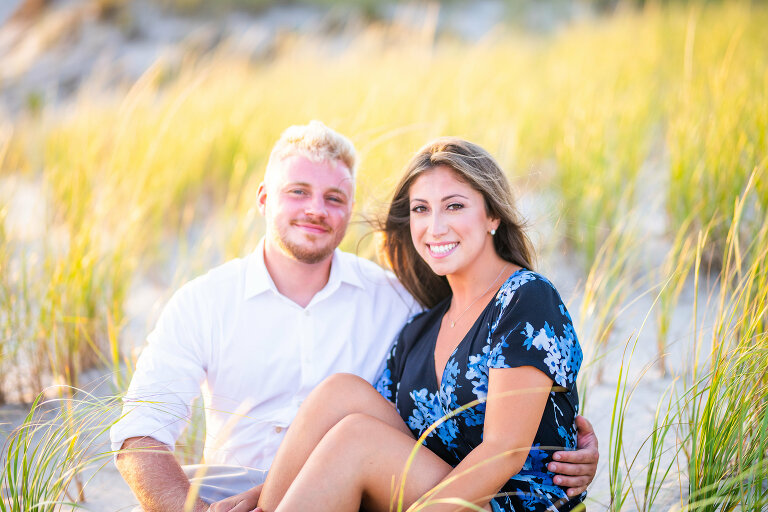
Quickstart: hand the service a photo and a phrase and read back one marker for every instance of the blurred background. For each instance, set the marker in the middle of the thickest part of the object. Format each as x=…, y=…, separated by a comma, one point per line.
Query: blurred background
x=134, y=134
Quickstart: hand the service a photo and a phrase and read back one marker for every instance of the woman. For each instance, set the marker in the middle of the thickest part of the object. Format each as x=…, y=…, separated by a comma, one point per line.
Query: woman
x=497, y=345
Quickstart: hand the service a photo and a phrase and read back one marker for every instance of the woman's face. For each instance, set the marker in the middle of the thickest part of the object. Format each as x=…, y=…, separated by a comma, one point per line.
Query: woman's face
x=449, y=224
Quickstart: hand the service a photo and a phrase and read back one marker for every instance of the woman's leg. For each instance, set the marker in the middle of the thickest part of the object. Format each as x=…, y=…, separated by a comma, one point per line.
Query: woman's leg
x=335, y=398
x=361, y=462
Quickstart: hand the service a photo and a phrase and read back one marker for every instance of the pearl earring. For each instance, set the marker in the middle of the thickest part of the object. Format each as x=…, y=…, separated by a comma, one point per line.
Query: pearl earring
x=493, y=232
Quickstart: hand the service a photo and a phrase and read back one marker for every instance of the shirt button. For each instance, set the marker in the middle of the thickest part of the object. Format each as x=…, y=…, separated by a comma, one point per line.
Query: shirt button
x=278, y=430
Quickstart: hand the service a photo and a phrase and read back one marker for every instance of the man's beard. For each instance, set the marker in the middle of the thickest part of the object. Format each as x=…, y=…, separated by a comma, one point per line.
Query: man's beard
x=305, y=254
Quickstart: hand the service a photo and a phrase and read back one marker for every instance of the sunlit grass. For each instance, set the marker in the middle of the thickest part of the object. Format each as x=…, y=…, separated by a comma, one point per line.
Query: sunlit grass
x=727, y=410
x=710, y=435
x=45, y=459
x=717, y=125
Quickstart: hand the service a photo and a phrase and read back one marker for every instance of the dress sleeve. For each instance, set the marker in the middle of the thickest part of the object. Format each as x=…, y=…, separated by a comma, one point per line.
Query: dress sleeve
x=389, y=379
x=533, y=328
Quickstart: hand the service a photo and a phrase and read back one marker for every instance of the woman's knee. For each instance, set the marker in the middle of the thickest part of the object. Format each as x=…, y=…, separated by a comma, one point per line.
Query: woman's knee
x=352, y=441
x=344, y=381
x=346, y=387
x=356, y=428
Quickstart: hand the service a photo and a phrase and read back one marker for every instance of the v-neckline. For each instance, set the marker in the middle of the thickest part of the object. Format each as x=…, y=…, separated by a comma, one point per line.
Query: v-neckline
x=439, y=380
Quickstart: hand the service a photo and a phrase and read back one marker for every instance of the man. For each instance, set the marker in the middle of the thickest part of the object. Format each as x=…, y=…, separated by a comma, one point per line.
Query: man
x=259, y=333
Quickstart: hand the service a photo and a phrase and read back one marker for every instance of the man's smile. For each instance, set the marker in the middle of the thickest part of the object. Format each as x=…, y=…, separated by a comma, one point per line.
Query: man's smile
x=311, y=227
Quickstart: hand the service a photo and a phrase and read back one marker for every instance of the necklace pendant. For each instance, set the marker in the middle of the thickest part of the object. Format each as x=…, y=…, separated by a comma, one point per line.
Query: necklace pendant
x=453, y=324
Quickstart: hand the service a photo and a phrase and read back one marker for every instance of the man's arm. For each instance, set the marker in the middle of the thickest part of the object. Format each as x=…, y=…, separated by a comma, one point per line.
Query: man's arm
x=154, y=475
x=576, y=468
x=157, y=405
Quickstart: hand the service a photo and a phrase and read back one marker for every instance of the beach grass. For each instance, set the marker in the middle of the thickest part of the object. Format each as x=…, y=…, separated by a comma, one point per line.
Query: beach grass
x=727, y=409
x=717, y=127
x=45, y=460
x=159, y=178
x=710, y=433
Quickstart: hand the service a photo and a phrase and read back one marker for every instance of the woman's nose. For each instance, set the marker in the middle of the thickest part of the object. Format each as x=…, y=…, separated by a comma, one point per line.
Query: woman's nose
x=438, y=226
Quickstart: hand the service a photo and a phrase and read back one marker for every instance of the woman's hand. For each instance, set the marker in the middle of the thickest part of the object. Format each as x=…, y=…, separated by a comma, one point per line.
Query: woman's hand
x=243, y=502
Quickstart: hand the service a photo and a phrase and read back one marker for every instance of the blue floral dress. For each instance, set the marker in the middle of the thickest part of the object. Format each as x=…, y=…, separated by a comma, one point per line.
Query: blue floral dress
x=526, y=324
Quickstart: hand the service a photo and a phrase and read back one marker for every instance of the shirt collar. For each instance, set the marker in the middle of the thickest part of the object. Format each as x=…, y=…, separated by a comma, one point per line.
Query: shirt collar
x=343, y=270
x=258, y=280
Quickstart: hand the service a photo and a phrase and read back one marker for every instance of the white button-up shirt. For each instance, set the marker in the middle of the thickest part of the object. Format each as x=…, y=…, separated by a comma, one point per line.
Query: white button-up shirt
x=256, y=355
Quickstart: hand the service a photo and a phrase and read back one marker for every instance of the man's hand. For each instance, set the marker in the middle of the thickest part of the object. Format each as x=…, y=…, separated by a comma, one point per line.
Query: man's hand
x=243, y=502
x=576, y=469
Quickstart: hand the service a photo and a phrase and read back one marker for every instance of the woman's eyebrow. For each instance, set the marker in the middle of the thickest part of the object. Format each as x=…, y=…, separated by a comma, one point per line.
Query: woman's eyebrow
x=446, y=198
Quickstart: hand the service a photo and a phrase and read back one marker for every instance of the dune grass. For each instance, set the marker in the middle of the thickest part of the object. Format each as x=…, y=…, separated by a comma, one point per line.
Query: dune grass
x=710, y=433
x=161, y=178
x=726, y=411
x=45, y=459
x=717, y=127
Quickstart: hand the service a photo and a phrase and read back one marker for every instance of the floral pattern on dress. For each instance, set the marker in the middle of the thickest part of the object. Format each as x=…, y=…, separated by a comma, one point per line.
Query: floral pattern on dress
x=384, y=384
x=526, y=324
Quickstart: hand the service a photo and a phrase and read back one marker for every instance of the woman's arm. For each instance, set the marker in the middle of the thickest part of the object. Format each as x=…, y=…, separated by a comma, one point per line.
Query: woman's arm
x=514, y=408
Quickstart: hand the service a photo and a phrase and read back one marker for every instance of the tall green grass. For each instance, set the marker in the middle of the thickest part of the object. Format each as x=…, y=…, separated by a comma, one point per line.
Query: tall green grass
x=45, y=459
x=711, y=433
x=717, y=125
x=727, y=411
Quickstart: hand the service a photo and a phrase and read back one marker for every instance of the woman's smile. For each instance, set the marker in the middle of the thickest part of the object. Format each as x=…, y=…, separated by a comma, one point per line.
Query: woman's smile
x=441, y=250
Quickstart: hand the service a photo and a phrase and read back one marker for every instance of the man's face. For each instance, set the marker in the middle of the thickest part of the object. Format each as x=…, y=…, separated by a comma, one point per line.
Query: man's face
x=307, y=206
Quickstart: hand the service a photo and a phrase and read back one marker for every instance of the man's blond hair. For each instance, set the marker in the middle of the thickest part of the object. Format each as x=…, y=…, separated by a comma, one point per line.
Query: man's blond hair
x=316, y=142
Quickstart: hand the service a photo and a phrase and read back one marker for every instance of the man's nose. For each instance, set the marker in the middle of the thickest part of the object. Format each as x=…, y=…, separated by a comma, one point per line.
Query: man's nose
x=316, y=207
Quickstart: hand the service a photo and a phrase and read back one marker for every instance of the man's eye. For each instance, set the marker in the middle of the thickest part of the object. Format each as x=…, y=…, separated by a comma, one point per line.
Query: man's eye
x=336, y=199
x=297, y=192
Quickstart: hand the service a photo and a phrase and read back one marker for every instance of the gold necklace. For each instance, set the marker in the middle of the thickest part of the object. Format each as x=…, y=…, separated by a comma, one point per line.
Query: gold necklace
x=453, y=322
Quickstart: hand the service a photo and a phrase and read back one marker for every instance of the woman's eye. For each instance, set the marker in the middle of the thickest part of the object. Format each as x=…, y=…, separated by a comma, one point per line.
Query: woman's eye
x=419, y=209
x=455, y=206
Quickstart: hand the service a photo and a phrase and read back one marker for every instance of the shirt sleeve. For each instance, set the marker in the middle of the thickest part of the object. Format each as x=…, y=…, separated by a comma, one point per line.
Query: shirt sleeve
x=533, y=328
x=168, y=373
